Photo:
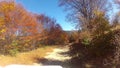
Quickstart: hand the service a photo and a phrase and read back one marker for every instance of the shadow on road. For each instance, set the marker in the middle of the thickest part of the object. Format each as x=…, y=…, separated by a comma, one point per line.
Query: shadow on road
x=53, y=62
x=64, y=64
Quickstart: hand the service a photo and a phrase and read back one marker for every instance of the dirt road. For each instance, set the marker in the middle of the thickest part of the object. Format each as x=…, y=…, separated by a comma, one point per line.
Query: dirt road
x=59, y=56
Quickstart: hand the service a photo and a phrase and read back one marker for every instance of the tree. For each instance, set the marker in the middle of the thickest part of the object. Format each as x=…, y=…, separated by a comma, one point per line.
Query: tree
x=82, y=11
x=100, y=24
x=53, y=33
x=16, y=19
x=16, y=24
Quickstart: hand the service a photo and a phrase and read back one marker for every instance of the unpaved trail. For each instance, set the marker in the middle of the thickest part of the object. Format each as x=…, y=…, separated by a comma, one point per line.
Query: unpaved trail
x=59, y=56
x=55, y=59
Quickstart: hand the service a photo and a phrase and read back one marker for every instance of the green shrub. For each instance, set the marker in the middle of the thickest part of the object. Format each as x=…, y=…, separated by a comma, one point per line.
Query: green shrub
x=13, y=52
x=86, y=41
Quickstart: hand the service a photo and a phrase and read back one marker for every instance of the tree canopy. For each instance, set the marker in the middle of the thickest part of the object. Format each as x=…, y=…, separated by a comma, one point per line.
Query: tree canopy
x=82, y=11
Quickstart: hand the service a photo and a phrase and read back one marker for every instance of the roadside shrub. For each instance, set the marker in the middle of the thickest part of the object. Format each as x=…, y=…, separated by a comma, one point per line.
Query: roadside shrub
x=80, y=48
x=105, y=49
x=85, y=35
x=16, y=45
x=101, y=46
x=77, y=49
x=79, y=52
x=13, y=52
x=116, y=43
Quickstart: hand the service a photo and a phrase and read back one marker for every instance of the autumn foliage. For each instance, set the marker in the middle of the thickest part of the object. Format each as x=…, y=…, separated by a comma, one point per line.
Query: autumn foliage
x=53, y=32
x=98, y=42
x=21, y=30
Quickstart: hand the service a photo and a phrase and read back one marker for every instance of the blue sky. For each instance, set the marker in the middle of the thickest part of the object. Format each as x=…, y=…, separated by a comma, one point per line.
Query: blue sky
x=48, y=7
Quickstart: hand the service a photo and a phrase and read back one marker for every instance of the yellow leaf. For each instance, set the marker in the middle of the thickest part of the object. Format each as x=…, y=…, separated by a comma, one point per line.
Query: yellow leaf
x=3, y=30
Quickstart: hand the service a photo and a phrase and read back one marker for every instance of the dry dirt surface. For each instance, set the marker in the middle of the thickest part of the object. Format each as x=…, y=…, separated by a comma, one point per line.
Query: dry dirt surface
x=59, y=54
x=58, y=58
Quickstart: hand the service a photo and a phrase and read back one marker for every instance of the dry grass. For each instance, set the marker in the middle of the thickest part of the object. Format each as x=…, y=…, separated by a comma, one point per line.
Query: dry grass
x=26, y=57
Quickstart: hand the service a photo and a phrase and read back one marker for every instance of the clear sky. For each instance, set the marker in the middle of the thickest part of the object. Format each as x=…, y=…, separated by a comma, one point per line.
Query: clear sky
x=50, y=8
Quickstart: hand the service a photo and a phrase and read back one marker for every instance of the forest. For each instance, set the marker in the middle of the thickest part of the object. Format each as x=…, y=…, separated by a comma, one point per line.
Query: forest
x=94, y=44
x=21, y=30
